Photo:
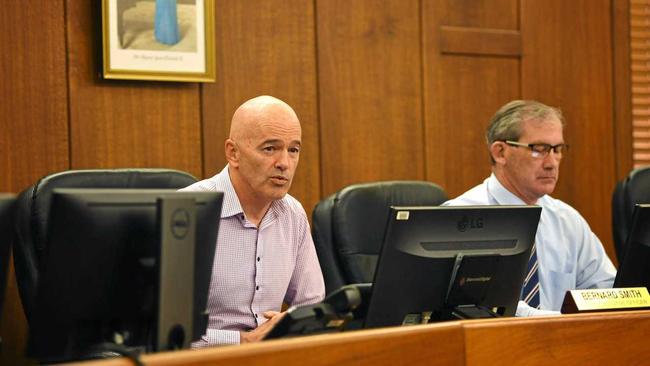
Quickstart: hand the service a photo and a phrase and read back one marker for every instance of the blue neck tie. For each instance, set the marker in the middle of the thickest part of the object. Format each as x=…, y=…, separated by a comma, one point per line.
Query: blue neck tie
x=530, y=291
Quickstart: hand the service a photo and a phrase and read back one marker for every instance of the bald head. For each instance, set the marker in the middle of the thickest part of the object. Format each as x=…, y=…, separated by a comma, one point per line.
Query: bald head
x=258, y=112
x=262, y=152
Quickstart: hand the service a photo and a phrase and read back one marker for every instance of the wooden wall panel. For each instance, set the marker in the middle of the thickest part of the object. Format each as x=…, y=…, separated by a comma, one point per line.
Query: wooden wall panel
x=369, y=69
x=33, y=124
x=496, y=14
x=464, y=86
x=265, y=47
x=622, y=87
x=568, y=63
x=125, y=123
x=33, y=90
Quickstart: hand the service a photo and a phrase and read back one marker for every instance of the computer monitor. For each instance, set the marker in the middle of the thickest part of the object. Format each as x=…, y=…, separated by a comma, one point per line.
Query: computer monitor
x=440, y=263
x=6, y=232
x=124, y=270
x=634, y=270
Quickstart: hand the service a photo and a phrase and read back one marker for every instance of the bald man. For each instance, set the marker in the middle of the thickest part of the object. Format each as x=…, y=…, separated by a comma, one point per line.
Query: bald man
x=265, y=255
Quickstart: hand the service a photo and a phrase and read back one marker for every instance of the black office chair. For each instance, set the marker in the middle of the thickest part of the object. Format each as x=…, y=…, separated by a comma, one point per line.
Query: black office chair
x=348, y=227
x=33, y=206
x=6, y=229
x=628, y=192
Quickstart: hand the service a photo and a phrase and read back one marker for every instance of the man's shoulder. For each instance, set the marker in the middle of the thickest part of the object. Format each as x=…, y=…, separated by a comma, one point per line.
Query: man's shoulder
x=561, y=210
x=556, y=204
x=475, y=196
x=209, y=184
x=291, y=206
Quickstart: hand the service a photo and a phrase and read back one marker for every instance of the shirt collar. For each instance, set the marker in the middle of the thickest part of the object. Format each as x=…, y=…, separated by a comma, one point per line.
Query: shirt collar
x=232, y=206
x=500, y=194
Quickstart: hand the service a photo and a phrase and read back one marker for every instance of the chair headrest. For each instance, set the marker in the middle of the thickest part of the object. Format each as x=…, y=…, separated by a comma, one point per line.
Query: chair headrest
x=361, y=211
x=637, y=187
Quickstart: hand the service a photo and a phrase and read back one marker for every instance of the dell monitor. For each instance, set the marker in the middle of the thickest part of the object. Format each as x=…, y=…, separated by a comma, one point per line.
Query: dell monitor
x=123, y=271
x=634, y=270
x=440, y=263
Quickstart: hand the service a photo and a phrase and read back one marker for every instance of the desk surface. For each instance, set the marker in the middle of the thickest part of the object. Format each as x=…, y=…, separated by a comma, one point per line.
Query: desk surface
x=586, y=339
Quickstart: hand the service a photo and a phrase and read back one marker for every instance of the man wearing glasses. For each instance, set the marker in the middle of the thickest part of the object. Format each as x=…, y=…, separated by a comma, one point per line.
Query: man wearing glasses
x=526, y=147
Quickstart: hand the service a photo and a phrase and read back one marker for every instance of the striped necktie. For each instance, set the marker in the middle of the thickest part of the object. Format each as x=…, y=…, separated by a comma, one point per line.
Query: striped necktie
x=530, y=291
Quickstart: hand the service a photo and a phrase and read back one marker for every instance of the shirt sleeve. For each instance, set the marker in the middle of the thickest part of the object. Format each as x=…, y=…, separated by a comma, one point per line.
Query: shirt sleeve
x=216, y=337
x=524, y=310
x=595, y=269
x=306, y=285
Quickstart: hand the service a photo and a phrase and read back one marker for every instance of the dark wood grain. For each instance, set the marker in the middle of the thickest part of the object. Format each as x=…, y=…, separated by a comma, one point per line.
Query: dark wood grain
x=117, y=123
x=622, y=87
x=33, y=124
x=461, y=92
x=567, y=63
x=479, y=41
x=33, y=93
x=369, y=68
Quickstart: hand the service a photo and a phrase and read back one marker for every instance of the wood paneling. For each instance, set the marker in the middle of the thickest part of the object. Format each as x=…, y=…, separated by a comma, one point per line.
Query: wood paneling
x=33, y=123
x=622, y=87
x=125, y=124
x=439, y=344
x=567, y=63
x=462, y=92
x=265, y=47
x=497, y=14
x=33, y=93
x=477, y=41
x=585, y=339
x=369, y=69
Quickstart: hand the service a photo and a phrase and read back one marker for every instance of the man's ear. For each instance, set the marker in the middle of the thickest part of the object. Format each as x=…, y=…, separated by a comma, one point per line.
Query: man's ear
x=232, y=153
x=498, y=152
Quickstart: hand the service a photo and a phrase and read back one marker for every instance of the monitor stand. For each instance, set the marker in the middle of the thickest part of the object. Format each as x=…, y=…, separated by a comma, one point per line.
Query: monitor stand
x=469, y=283
x=462, y=312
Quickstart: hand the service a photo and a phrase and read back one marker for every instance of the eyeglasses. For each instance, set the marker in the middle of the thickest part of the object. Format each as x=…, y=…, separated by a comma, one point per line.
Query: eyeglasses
x=541, y=150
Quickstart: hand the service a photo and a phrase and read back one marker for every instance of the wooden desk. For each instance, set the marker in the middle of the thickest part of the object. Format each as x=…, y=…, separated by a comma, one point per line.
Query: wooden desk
x=590, y=339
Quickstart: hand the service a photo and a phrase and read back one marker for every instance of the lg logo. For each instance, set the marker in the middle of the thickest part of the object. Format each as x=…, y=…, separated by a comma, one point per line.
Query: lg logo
x=466, y=223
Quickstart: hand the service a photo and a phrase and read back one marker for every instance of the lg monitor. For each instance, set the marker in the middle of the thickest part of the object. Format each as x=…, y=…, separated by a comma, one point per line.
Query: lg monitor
x=124, y=271
x=634, y=270
x=441, y=263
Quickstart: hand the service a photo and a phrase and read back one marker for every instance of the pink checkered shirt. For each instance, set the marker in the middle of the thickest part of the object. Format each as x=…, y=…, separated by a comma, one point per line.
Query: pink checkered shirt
x=257, y=269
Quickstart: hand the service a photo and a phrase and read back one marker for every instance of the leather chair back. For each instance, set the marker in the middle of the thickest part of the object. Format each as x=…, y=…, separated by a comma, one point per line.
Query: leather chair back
x=628, y=192
x=348, y=227
x=6, y=233
x=33, y=207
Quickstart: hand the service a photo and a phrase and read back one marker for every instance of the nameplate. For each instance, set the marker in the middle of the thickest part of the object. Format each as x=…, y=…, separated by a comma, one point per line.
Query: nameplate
x=605, y=299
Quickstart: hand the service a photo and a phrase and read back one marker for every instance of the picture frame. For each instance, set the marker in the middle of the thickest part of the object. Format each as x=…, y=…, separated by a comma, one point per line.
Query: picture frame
x=164, y=40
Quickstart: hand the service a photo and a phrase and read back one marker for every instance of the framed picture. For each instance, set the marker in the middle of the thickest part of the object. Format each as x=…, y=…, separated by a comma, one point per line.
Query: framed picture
x=167, y=40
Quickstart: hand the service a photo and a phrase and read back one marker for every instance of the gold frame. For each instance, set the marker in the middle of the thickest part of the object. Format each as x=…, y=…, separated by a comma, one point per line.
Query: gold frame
x=208, y=75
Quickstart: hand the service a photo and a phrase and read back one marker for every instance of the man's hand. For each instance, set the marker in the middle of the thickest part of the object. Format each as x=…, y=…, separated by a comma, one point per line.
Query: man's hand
x=258, y=333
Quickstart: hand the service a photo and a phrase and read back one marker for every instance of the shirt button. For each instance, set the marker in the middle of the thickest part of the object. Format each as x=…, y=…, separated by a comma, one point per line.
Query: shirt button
x=255, y=315
x=258, y=259
x=257, y=287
